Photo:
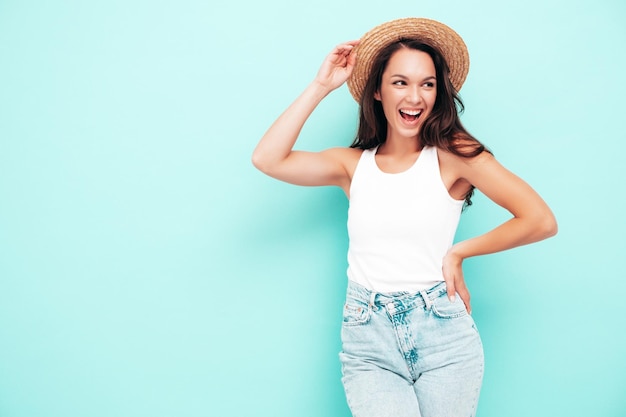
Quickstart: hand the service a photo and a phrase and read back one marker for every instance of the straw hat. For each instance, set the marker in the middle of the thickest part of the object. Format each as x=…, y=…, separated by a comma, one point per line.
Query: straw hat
x=430, y=32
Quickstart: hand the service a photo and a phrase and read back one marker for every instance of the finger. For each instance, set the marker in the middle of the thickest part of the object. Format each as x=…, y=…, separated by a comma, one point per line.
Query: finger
x=340, y=55
x=351, y=60
x=346, y=48
x=451, y=289
x=352, y=43
x=465, y=296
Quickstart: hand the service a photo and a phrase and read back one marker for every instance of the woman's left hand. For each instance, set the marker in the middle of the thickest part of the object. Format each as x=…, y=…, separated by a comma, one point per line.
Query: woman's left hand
x=453, y=275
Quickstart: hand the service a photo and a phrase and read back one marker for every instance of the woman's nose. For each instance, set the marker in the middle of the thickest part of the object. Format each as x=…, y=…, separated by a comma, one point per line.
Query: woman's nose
x=413, y=94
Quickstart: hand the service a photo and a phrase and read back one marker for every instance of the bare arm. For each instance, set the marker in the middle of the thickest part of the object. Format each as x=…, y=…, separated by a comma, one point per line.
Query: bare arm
x=274, y=155
x=532, y=218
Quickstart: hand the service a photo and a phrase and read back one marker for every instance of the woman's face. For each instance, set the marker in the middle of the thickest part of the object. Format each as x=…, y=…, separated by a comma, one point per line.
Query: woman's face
x=407, y=92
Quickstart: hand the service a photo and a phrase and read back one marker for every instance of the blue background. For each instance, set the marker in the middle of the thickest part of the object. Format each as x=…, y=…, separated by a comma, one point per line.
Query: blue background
x=146, y=268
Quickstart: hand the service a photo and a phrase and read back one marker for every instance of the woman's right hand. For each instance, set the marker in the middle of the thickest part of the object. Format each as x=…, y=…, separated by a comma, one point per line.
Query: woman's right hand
x=337, y=66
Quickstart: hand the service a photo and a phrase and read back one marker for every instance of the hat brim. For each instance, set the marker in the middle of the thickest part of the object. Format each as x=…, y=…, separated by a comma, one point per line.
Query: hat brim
x=430, y=32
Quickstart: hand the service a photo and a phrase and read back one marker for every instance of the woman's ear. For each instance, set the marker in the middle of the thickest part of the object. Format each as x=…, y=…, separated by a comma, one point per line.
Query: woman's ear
x=377, y=95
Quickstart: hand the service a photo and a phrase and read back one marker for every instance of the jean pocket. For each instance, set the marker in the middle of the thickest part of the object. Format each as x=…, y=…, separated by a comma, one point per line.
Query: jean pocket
x=446, y=309
x=355, y=312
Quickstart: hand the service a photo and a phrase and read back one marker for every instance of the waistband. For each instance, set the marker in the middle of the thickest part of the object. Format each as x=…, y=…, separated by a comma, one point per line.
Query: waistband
x=396, y=302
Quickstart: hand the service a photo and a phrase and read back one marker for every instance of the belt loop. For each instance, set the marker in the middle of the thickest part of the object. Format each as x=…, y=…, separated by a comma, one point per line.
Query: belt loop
x=372, y=300
x=427, y=300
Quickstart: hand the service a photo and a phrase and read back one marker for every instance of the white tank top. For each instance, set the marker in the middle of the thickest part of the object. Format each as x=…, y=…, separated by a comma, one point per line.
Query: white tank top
x=400, y=225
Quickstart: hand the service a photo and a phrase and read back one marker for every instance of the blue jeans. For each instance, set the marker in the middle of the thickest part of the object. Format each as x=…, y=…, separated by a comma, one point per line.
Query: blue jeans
x=409, y=355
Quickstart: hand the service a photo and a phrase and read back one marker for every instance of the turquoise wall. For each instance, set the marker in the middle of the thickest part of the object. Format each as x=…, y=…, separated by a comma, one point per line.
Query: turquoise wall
x=146, y=269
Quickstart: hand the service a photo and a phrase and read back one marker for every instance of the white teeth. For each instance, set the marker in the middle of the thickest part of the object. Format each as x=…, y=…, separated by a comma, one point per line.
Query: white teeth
x=411, y=112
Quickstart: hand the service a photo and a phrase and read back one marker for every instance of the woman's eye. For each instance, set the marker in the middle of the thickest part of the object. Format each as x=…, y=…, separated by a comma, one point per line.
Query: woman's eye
x=429, y=85
x=399, y=82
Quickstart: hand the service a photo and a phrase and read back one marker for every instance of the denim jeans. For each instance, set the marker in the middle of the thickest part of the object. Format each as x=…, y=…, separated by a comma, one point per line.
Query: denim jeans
x=409, y=355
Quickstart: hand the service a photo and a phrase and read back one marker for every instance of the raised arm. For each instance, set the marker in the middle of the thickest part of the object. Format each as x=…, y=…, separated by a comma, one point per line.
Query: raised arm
x=274, y=155
x=532, y=218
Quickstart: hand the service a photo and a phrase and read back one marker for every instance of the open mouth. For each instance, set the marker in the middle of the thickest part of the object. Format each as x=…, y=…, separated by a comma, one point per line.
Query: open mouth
x=410, y=115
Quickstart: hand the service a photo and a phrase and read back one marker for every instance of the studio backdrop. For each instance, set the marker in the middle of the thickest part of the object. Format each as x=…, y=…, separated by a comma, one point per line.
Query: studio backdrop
x=147, y=269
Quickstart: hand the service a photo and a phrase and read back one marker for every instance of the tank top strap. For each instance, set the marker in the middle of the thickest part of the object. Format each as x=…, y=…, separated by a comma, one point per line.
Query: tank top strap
x=370, y=154
x=367, y=163
x=428, y=163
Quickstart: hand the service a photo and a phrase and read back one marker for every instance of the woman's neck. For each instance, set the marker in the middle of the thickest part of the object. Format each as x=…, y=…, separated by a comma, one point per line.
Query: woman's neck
x=400, y=146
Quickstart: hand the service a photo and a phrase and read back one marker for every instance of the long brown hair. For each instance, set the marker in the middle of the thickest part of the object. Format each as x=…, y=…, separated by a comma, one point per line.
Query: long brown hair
x=442, y=128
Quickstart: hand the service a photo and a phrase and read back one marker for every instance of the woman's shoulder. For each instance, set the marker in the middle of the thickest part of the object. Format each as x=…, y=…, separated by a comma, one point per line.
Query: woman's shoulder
x=446, y=155
x=455, y=167
x=347, y=157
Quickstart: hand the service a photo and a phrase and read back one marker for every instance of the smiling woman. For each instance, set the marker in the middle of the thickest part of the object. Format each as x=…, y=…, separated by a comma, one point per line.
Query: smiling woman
x=409, y=344
x=407, y=71
x=407, y=89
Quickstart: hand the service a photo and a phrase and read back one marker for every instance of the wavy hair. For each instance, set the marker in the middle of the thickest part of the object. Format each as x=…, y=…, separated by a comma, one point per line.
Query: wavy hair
x=442, y=128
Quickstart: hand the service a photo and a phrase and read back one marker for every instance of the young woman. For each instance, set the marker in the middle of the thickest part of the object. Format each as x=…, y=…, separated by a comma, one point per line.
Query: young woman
x=409, y=345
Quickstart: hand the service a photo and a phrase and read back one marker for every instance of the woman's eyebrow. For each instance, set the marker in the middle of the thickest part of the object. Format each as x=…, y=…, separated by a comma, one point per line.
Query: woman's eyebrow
x=430, y=77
